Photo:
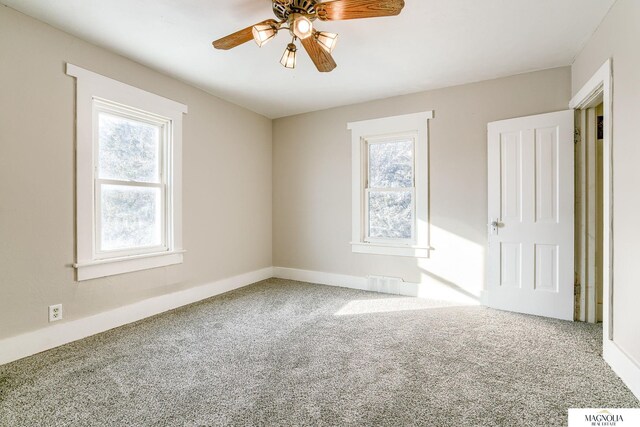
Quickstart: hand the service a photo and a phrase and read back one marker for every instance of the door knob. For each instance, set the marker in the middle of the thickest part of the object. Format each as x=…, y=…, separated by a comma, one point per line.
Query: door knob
x=494, y=225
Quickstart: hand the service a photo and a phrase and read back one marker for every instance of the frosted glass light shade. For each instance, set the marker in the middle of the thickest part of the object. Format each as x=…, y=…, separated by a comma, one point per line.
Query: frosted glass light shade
x=327, y=40
x=288, y=59
x=263, y=33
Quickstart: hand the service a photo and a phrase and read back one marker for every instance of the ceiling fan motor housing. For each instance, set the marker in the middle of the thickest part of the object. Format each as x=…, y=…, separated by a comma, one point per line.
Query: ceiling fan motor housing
x=283, y=8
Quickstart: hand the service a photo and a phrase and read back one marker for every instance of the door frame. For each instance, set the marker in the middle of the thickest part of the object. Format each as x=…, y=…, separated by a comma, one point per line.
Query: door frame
x=601, y=84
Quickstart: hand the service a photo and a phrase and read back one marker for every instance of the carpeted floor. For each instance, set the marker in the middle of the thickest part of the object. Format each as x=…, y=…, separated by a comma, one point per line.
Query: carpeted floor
x=287, y=353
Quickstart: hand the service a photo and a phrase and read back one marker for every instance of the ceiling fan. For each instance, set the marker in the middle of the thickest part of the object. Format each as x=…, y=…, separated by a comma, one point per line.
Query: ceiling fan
x=297, y=16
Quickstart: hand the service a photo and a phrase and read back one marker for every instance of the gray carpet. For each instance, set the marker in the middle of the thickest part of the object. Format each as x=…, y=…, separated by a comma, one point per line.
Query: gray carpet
x=287, y=353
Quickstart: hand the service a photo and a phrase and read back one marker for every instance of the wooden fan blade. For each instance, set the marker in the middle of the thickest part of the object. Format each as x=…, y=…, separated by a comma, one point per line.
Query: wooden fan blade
x=239, y=37
x=355, y=9
x=323, y=59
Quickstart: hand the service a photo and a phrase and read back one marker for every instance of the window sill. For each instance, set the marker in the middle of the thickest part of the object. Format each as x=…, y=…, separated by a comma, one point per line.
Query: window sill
x=388, y=249
x=109, y=267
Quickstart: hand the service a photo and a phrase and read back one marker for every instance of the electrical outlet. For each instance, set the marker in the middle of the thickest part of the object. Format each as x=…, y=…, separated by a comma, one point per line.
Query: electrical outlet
x=55, y=312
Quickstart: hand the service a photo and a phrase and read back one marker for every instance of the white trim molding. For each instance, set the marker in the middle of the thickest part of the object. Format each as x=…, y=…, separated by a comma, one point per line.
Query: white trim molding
x=30, y=343
x=623, y=365
x=597, y=84
x=93, y=93
x=384, y=285
x=601, y=83
x=321, y=278
x=416, y=127
x=111, y=266
x=389, y=249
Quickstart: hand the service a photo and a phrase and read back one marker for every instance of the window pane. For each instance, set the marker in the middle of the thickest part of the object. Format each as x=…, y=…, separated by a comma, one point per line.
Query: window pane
x=131, y=217
x=390, y=215
x=129, y=150
x=391, y=164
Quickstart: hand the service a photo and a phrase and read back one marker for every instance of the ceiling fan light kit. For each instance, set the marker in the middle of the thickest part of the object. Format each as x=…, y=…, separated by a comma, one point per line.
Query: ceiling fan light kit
x=263, y=33
x=297, y=16
x=288, y=59
x=300, y=25
x=327, y=40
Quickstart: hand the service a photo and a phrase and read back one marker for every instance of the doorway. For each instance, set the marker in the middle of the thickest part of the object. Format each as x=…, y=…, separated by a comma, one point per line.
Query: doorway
x=589, y=211
x=597, y=91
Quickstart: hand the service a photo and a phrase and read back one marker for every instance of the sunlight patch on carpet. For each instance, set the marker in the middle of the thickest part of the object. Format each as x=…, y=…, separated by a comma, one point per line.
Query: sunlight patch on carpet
x=390, y=305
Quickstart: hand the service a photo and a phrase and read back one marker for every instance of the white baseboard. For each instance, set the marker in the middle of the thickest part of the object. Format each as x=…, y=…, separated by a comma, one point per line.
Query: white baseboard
x=623, y=365
x=330, y=279
x=432, y=290
x=14, y=348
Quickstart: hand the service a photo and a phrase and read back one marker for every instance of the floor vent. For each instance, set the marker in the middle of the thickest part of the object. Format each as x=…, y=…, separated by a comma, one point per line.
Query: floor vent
x=385, y=285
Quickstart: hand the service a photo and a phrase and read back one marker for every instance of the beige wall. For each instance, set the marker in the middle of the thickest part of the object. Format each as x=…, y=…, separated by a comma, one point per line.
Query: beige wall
x=227, y=181
x=618, y=37
x=312, y=178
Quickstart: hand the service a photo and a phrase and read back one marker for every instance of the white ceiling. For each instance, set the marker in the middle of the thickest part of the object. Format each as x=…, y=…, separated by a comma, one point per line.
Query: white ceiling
x=432, y=44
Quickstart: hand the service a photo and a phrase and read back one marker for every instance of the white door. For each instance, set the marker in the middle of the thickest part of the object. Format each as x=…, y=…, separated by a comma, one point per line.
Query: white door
x=530, y=256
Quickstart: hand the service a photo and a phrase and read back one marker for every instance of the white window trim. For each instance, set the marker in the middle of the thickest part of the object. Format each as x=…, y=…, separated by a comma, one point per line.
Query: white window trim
x=411, y=124
x=90, y=86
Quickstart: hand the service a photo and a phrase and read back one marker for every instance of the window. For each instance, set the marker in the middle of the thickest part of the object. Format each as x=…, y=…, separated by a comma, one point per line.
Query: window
x=128, y=177
x=390, y=189
x=130, y=188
